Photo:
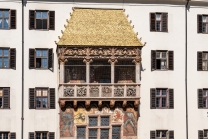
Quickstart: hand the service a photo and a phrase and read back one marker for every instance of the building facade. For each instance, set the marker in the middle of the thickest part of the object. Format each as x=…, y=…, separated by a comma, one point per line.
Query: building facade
x=103, y=69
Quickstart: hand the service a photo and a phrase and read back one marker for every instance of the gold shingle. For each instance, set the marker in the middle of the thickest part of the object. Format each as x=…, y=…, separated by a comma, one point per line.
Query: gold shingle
x=99, y=27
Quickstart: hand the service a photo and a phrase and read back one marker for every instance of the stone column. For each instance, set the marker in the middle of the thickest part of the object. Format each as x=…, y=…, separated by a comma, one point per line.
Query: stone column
x=61, y=72
x=112, y=62
x=87, y=61
x=137, y=62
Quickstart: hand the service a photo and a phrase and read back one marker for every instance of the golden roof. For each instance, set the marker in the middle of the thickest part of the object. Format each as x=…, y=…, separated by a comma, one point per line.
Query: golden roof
x=99, y=27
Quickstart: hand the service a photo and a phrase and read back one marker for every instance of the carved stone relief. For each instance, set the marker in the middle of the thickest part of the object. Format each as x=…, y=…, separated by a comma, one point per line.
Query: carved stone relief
x=131, y=91
x=94, y=91
x=69, y=91
x=82, y=91
x=119, y=91
x=106, y=91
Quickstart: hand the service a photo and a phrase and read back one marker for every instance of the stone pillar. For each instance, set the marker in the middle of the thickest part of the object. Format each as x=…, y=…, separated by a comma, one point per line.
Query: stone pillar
x=137, y=62
x=61, y=72
x=87, y=61
x=112, y=62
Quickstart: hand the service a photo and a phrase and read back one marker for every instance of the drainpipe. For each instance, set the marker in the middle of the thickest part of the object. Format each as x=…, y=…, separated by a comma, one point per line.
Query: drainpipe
x=186, y=9
x=22, y=115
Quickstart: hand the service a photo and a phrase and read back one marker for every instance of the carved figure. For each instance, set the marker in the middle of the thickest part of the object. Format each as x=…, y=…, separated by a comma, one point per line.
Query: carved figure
x=106, y=91
x=94, y=91
x=131, y=91
x=81, y=92
x=68, y=91
x=119, y=91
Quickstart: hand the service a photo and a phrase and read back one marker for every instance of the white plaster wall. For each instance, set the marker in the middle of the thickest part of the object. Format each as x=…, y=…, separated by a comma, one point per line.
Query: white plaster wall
x=10, y=119
x=196, y=79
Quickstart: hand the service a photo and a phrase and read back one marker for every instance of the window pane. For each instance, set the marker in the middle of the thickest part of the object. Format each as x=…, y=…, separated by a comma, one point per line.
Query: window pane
x=6, y=52
x=5, y=135
x=45, y=15
x=163, y=54
x=38, y=135
x=163, y=64
x=45, y=92
x=158, y=54
x=81, y=131
x=158, y=134
x=163, y=133
x=1, y=23
x=104, y=121
x=157, y=102
x=39, y=24
x=44, y=63
x=158, y=93
x=44, y=22
x=204, y=102
x=1, y=92
x=116, y=132
x=158, y=26
x=204, y=27
x=163, y=102
x=0, y=62
x=104, y=133
x=204, y=92
x=158, y=16
x=6, y=13
x=0, y=135
x=6, y=62
x=0, y=102
x=1, y=52
x=1, y=13
x=38, y=102
x=44, y=135
x=204, y=65
x=92, y=133
x=164, y=92
x=38, y=53
x=204, y=18
x=205, y=55
x=93, y=121
x=44, y=52
x=45, y=102
x=38, y=14
x=6, y=23
x=38, y=92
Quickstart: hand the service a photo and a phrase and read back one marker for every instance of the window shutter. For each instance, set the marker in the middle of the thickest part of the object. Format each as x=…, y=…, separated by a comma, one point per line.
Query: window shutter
x=52, y=98
x=51, y=135
x=171, y=98
x=6, y=97
x=51, y=20
x=200, y=134
x=13, y=135
x=199, y=61
x=152, y=134
x=31, y=135
x=13, y=19
x=13, y=58
x=171, y=134
x=31, y=19
x=165, y=22
x=50, y=58
x=170, y=60
x=200, y=98
x=152, y=22
x=153, y=60
x=31, y=58
x=152, y=98
x=31, y=98
x=199, y=24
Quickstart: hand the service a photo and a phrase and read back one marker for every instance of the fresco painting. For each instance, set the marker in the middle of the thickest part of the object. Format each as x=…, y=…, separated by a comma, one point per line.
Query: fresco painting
x=118, y=115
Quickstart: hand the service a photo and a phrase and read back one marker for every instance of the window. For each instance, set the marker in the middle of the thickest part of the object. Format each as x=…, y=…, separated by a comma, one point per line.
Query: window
x=41, y=135
x=99, y=125
x=162, y=134
x=41, y=98
x=162, y=60
x=7, y=19
x=4, y=98
x=203, y=134
x=7, y=58
x=203, y=98
x=7, y=135
x=161, y=98
x=202, y=61
x=41, y=58
x=159, y=22
x=202, y=26
x=42, y=20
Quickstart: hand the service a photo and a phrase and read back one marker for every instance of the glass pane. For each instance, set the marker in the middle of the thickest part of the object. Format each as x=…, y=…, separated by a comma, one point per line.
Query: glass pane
x=158, y=54
x=158, y=24
x=81, y=132
x=1, y=52
x=1, y=13
x=44, y=52
x=92, y=132
x=0, y=135
x=6, y=62
x=6, y=52
x=163, y=102
x=204, y=102
x=45, y=102
x=164, y=92
x=38, y=92
x=158, y=134
x=157, y=102
x=204, y=65
x=38, y=53
x=44, y=22
x=38, y=14
x=116, y=132
x=6, y=13
x=44, y=135
x=38, y=135
x=204, y=28
x=1, y=92
x=104, y=133
x=45, y=15
x=39, y=24
x=204, y=92
x=93, y=121
x=0, y=102
x=6, y=23
x=38, y=102
x=104, y=121
x=44, y=63
x=205, y=55
x=45, y=92
x=5, y=135
x=204, y=18
x=163, y=54
x=163, y=133
x=163, y=64
x=0, y=62
x=158, y=16
x=158, y=93
x=1, y=23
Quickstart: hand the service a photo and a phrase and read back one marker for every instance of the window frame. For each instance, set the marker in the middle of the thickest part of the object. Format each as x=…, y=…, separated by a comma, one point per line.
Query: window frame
x=42, y=19
x=41, y=132
x=204, y=52
x=160, y=21
x=3, y=48
x=8, y=134
x=41, y=58
x=167, y=63
x=3, y=18
x=162, y=96
x=154, y=21
x=161, y=134
x=48, y=98
x=206, y=32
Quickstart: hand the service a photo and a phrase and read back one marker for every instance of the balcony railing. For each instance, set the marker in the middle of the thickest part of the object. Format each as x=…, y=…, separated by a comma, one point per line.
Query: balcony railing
x=99, y=91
